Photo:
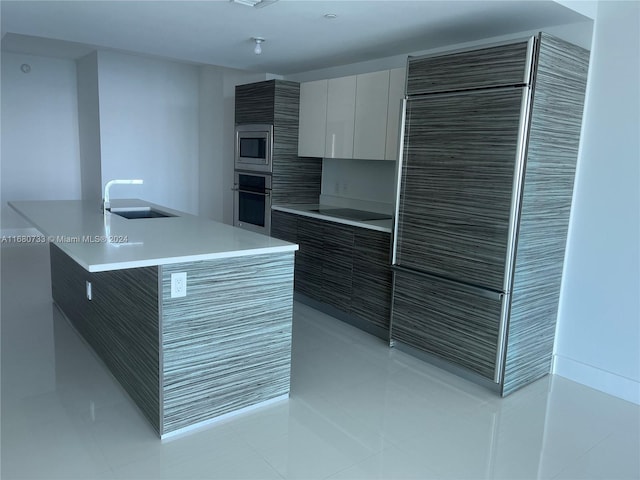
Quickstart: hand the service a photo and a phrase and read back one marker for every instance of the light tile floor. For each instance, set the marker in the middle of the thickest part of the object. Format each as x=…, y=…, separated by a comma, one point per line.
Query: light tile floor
x=357, y=410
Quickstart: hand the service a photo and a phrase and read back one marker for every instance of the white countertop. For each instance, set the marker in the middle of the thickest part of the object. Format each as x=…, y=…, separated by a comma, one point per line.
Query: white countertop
x=110, y=242
x=307, y=211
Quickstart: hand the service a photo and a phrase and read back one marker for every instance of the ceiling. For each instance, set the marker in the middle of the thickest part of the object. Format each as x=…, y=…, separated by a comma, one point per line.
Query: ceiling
x=298, y=36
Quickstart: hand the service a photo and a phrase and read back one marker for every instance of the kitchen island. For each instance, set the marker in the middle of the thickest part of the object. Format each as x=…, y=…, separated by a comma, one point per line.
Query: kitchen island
x=192, y=317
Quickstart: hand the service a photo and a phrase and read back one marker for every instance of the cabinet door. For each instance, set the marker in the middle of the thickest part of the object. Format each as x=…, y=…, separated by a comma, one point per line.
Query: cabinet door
x=371, y=297
x=370, y=129
x=255, y=102
x=308, y=269
x=284, y=226
x=341, y=108
x=397, y=79
x=337, y=265
x=485, y=67
x=313, y=119
x=449, y=320
x=457, y=183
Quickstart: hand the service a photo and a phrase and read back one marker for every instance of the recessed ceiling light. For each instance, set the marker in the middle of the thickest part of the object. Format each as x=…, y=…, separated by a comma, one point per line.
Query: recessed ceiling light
x=330, y=16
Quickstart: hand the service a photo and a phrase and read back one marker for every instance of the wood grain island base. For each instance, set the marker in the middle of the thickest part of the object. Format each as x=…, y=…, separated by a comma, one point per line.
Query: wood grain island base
x=185, y=361
x=223, y=347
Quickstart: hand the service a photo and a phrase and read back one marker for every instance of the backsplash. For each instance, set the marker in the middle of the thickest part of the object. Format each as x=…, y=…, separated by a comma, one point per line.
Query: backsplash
x=362, y=184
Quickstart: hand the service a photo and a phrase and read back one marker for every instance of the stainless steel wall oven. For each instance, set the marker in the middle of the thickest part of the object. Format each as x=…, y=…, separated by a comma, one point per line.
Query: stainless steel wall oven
x=252, y=201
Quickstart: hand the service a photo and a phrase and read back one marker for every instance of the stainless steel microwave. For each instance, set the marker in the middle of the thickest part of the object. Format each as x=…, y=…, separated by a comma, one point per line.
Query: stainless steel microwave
x=254, y=147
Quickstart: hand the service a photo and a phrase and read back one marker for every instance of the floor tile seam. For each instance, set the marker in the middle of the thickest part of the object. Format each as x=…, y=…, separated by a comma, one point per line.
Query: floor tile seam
x=333, y=474
x=109, y=459
x=411, y=439
x=259, y=455
x=391, y=439
x=359, y=423
x=466, y=411
x=398, y=385
x=157, y=454
x=577, y=460
x=431, y=473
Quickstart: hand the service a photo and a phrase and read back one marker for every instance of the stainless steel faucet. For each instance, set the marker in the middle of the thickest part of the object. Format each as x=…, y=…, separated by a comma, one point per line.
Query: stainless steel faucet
x=106, y=205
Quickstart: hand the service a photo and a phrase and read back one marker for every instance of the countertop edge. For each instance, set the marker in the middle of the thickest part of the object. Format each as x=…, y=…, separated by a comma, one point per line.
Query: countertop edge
x=319, y=216
x=153, y=261
x=158, y=262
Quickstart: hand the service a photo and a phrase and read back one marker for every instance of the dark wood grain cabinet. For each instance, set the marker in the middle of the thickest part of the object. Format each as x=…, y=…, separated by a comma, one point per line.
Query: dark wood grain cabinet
x=342, y=266
x=276, y=102
x=255, y=102
x=372, y=278
x=337, y=265
x=284, y=226
x=491, y=140
x=479, y=68
x=308, y=266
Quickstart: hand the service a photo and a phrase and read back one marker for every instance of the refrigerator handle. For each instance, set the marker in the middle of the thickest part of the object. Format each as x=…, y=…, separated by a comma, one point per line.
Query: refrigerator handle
x=394, y=250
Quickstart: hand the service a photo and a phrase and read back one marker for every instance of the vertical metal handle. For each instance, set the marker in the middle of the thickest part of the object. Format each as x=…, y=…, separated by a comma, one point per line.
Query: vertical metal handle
x=394, y=250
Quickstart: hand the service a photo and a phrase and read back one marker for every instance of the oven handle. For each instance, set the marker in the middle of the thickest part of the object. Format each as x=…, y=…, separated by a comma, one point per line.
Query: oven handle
x=265, y=194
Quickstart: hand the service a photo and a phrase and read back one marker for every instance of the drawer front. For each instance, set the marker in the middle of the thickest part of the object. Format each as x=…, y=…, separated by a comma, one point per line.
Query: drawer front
x=482, y=68
x=447, y=320
x=455, y=201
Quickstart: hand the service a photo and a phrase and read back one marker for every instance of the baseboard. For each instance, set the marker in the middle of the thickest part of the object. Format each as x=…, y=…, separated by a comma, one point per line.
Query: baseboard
x=607, y=382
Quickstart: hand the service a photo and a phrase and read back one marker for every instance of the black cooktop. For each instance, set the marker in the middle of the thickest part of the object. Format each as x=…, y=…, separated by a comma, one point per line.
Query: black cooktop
x=351, y=214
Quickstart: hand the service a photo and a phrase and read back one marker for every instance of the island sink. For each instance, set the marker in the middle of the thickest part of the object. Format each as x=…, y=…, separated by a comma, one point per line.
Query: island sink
x=139, y=212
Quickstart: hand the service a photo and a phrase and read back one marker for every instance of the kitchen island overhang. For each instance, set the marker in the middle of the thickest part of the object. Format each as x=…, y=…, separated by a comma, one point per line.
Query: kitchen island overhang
x=185, y=360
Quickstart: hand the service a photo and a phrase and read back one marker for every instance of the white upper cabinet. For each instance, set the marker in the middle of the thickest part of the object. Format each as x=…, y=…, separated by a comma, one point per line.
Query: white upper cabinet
x=397, y=80
x=341, y=108
x=352, y=117
x=313, y=119
x=372, y=102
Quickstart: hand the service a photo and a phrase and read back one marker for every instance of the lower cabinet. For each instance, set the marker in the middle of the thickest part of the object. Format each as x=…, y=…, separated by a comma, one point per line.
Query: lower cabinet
x=340, y=265
x=372, y=278
x=452, y=321
x=337, y=264
x=308, y=265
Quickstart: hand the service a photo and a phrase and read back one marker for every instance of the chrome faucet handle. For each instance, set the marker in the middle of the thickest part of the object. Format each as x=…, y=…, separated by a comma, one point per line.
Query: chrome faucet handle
x=106, y=204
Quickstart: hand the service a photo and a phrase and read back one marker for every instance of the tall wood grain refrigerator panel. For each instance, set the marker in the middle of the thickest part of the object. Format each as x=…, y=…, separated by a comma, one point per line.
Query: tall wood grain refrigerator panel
x=554, y=137
x=485, y=191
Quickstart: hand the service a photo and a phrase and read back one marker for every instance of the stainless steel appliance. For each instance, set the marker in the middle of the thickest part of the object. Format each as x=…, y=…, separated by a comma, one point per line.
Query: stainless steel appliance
x=252, y=201
x=490, y=143
x=254, y=147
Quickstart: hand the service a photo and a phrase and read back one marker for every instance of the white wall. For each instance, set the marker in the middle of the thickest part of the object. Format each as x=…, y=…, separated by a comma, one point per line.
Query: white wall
x=211, y=133
x=166, y=122
x=231, y=79
x=598, y=338
x=369, y=182
x=89, y=127
x=149, y=128
x=577, y=33
x=40, y=149
x=217, y=111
